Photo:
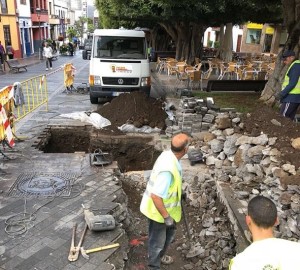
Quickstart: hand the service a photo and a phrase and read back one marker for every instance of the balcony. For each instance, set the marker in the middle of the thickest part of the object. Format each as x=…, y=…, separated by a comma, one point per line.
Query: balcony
x=41, y=16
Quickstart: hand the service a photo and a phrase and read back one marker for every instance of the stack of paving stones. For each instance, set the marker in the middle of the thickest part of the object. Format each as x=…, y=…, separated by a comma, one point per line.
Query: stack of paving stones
x=193, y=115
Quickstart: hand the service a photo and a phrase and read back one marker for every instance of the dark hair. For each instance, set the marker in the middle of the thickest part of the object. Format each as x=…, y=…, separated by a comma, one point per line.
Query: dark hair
x=262, y=211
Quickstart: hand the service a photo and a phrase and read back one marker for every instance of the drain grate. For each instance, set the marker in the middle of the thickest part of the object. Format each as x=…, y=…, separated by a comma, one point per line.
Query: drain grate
x=42, y=185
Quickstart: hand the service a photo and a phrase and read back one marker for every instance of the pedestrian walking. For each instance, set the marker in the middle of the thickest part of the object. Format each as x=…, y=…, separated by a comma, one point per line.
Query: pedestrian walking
x=266, y=251
x=10, y=51
x=2, y=54
x=47, y=52
x=161, y=202
x=71, y=48
x=54, y=46
x=290, y=93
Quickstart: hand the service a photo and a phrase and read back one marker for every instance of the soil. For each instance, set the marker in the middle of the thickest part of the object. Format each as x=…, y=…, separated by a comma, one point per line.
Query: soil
x=260, y=121
x=135, y=108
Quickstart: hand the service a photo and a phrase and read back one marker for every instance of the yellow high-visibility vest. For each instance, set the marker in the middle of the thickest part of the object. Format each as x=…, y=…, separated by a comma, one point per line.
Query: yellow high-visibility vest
x=167, y=161
x=286, y=80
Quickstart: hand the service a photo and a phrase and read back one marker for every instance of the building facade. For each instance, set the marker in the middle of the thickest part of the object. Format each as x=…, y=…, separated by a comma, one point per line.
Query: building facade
x=9, y=30
x=25, y=24
x=251, y=38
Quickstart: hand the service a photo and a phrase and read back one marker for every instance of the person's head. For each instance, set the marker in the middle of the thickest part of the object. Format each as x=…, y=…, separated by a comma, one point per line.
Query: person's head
x=180, y=144
x=262, y=212
x=288, y=57
x=46, y=44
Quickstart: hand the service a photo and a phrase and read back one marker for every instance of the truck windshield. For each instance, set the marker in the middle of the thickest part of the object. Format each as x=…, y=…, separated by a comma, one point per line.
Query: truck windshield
x=119, y=47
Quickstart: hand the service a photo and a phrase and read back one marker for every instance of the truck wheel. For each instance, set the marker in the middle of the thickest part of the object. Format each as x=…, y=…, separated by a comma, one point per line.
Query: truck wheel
x=94, y=100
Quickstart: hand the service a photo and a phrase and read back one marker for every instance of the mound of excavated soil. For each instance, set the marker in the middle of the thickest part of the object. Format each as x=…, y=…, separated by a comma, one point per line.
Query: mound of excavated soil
x=260, y=120
x=135, y=108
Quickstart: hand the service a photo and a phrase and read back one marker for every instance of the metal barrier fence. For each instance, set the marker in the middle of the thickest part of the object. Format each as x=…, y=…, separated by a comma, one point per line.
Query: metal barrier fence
x=22, y=98
x=29, y=95
x=17, y=101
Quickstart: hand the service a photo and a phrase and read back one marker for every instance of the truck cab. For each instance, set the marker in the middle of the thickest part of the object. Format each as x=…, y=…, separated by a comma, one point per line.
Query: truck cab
x=119, y=63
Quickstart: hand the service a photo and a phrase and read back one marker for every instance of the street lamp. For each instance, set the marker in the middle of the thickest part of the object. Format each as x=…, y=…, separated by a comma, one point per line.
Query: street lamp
x=38, y=13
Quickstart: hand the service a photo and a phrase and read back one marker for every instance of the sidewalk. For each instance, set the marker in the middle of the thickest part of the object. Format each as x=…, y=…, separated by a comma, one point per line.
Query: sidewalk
x=31, y=60
x=42, y=240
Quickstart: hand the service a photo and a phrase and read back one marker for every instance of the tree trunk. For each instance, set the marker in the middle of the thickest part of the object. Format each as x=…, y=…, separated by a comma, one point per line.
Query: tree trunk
x=162, y=39
x=221, y=42
x=227, y=48
x=291, y=11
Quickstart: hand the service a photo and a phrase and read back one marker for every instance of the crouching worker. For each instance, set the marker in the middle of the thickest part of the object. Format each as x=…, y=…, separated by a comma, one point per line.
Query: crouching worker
x=266, y=252
x=161, y=202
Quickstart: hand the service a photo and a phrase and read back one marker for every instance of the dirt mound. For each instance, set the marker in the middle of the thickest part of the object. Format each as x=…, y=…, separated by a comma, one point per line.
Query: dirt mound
x=260, y=120
x=135, y=108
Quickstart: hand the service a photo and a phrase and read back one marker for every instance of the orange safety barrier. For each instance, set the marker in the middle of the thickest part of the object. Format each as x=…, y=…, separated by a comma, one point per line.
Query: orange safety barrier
x=6, y=115
x=69, y=72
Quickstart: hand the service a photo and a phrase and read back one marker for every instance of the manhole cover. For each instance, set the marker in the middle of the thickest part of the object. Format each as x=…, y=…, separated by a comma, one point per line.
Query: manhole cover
x=42, y=185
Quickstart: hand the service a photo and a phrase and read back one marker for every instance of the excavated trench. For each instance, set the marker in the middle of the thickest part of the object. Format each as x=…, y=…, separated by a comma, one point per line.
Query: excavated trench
x=134, y=153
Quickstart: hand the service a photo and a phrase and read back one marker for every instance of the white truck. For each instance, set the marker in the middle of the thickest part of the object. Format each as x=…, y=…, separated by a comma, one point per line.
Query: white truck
x=119, y=63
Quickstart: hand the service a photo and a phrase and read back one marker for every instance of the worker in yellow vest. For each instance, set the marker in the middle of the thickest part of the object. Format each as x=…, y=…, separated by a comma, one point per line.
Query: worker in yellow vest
x=161, y=202
x=266, y=252
x=290, y=93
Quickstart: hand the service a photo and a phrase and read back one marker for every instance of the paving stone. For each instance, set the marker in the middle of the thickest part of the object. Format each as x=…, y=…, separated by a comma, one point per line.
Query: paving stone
x=12, y=264
x=89, y=266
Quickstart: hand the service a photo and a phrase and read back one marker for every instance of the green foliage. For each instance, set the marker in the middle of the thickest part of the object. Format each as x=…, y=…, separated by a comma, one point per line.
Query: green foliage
x=71, y=33
x=217, y=44
x=63, y=49
x=210, y=43
x=79, y=26
x=114, y=13
x=91, y=28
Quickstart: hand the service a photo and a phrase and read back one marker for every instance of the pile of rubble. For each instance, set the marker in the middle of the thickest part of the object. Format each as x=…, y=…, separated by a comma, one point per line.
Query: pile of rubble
x=251, y=165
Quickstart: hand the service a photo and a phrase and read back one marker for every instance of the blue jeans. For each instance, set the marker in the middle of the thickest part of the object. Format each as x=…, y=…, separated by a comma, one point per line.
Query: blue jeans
x=160, y=237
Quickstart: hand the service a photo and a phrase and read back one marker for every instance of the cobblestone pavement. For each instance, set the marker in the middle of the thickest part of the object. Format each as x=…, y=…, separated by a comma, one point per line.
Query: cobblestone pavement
x=35, y=231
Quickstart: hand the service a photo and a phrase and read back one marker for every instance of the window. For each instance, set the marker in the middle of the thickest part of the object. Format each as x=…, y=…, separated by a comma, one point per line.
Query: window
x=7, y=37
x=23, y=2
x=3, y=6
x=120, y=47
x=253, y=36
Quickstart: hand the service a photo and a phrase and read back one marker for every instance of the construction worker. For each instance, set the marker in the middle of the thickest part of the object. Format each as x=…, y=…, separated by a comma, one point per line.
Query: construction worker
x=266, y=252
x=290, y=93
x=161, y=202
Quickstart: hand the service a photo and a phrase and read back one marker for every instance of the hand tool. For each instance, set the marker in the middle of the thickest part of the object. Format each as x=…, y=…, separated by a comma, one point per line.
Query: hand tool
x=85, y=252
x=74, y=251
x=99, y=222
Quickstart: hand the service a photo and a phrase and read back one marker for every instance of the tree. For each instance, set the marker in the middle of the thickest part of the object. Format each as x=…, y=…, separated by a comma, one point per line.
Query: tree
x=71, y=33
x=79, y=26
x=185, y=21
x=291, y=12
